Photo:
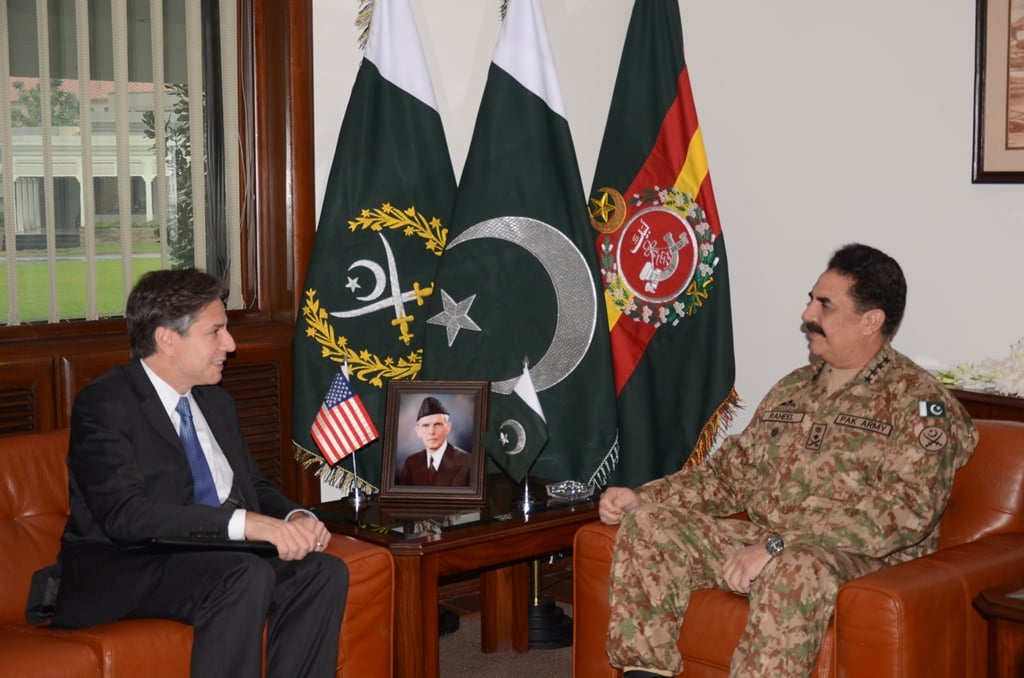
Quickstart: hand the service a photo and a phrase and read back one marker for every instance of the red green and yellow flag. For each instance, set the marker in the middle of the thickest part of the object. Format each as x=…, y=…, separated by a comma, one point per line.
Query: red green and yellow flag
x=662, y=258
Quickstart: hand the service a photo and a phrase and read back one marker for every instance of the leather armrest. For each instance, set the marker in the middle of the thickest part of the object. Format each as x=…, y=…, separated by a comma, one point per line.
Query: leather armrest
x=367, y=636
x=913, y=618
x=591, y=562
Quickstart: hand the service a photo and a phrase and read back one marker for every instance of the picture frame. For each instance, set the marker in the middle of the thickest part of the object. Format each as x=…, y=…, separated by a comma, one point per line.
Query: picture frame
x=417, y=412
x=999, y=92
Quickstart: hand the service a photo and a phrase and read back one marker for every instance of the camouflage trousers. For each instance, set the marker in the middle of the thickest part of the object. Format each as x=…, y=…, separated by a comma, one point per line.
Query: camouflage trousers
x=663, y=553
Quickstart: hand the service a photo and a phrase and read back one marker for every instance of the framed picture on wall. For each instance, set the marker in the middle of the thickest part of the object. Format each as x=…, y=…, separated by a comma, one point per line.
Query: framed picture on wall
x=433, y=449
x=999, y=92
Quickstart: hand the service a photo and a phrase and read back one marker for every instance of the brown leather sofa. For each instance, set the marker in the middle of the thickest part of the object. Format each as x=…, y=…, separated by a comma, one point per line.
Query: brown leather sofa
x=33, y=509
x=912, y=619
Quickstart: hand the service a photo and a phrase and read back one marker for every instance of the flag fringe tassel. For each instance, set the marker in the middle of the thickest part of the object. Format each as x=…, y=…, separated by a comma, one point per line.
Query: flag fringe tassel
x=363, y=19
x=714, y=428
x=336, y=476
x=711, y=433
x=599, y=478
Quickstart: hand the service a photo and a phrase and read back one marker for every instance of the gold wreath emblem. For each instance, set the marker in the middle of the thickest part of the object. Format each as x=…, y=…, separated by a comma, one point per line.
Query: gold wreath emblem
x=363, y=363
x=411, y=222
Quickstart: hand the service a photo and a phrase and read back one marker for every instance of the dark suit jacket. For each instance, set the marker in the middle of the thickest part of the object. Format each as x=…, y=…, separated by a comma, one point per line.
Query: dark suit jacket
x=130, y=481
x=453, y=472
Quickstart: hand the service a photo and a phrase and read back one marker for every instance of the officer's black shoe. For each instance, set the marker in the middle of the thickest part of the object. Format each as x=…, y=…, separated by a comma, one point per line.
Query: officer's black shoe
x=639, y=673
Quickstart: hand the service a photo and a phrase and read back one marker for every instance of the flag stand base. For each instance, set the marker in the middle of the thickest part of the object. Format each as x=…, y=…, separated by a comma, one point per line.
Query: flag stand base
x=357, y=499
x=447, y=621
x=527, y=501
x=549, y=626
x=527, y=504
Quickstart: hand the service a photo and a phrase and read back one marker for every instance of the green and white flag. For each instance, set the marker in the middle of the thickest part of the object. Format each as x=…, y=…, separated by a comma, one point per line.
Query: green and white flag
x=518, y=432
x=380, y=237
x=518, y=278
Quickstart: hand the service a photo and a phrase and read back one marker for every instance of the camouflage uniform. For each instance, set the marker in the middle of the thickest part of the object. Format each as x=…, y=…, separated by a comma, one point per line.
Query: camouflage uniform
x=853, y=481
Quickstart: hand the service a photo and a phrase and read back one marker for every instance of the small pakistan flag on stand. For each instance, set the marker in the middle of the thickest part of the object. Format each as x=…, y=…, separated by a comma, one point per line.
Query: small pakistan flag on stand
x=517, y=432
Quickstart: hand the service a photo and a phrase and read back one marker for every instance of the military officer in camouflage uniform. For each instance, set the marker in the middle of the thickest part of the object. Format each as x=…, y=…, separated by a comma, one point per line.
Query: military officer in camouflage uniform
x=845, y=467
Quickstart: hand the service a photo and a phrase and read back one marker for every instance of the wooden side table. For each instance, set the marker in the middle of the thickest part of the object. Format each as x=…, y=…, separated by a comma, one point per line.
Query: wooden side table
x=496, y=539
x=1003, y=607
x=991, y=405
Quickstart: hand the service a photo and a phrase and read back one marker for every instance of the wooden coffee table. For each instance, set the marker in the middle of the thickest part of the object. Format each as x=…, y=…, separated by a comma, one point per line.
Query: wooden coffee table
x=432, y=541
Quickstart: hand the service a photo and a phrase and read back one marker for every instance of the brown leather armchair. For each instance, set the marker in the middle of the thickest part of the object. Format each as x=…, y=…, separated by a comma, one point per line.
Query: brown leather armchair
x=912, y=619
x=33, y=510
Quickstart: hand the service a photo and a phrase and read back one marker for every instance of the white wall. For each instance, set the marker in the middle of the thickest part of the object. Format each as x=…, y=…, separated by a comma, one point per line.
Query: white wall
x=825, y=122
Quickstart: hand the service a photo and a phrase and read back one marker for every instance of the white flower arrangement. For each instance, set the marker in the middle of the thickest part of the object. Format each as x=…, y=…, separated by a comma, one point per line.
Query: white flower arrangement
x=1004, y=375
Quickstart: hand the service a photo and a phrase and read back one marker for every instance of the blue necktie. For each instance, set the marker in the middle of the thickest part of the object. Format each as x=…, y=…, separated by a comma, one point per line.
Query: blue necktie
x=205, y=488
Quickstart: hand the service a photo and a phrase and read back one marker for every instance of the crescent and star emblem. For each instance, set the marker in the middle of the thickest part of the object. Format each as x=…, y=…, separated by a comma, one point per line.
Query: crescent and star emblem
x=520, y=434
x=575, y=297
x=377, y=301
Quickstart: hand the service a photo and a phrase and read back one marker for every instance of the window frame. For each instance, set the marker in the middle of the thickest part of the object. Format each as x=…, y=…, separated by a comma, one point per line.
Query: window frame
x=278, y=211
x=45, y=365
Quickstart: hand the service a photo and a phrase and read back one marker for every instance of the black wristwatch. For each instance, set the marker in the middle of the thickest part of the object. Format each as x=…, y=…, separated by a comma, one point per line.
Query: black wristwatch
x=774, y=545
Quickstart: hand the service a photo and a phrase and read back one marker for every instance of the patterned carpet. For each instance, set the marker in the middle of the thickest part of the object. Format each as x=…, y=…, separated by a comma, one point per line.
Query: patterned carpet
x=461, y=657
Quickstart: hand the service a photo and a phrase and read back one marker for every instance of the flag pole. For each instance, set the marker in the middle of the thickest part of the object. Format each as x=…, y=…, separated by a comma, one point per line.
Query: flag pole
x=356, y=496
x=548, y=626
x=527, y=500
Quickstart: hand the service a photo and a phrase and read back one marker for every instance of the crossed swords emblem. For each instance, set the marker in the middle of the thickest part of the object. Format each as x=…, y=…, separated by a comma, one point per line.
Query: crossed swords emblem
x=377, y=298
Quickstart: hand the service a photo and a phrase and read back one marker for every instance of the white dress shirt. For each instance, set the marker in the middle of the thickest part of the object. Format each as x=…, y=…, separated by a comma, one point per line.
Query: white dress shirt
x=223, y=474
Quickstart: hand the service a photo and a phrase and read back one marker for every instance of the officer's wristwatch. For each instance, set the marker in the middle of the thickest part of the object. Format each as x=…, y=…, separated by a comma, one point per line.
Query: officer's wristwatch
x=774, y=545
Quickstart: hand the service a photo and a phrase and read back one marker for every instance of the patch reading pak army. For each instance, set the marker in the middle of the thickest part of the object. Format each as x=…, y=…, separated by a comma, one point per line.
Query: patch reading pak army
x=865, y=424
x=784, y=417
x=816, y=436
x=932, y=438
x=931, y=408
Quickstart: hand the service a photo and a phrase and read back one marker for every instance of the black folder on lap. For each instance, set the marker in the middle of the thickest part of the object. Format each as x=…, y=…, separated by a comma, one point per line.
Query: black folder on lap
x=170, y=544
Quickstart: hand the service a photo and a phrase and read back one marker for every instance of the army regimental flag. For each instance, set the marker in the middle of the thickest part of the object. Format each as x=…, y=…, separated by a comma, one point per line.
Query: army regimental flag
x=662, y=256
x=518, y=278
x=381, y=233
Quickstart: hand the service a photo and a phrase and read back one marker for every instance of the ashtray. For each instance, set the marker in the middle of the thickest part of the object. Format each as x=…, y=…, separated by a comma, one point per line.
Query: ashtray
x=570, y=490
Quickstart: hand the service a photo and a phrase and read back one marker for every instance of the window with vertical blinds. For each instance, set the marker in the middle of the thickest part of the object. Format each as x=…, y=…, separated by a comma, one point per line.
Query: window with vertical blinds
x=119, y=151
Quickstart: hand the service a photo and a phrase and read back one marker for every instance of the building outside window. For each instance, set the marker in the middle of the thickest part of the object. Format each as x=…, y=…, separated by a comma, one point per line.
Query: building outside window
x=119, y=147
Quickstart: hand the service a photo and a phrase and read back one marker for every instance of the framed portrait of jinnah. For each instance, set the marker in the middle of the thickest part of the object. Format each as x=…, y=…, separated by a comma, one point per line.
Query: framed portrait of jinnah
x=433, y=433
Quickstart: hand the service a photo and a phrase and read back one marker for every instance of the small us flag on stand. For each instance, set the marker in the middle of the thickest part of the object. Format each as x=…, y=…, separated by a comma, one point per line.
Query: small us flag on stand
x=342, y=425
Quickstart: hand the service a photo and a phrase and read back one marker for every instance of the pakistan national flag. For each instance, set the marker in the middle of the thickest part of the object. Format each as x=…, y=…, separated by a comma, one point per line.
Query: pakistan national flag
x=662, y=257
x=517, y=280
x=380, y=237
x=518, y=432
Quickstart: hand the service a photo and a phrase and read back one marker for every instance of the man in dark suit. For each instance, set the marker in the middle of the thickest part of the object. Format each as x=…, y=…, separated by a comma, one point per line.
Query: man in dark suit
x=440, y=463
x=132, y=479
